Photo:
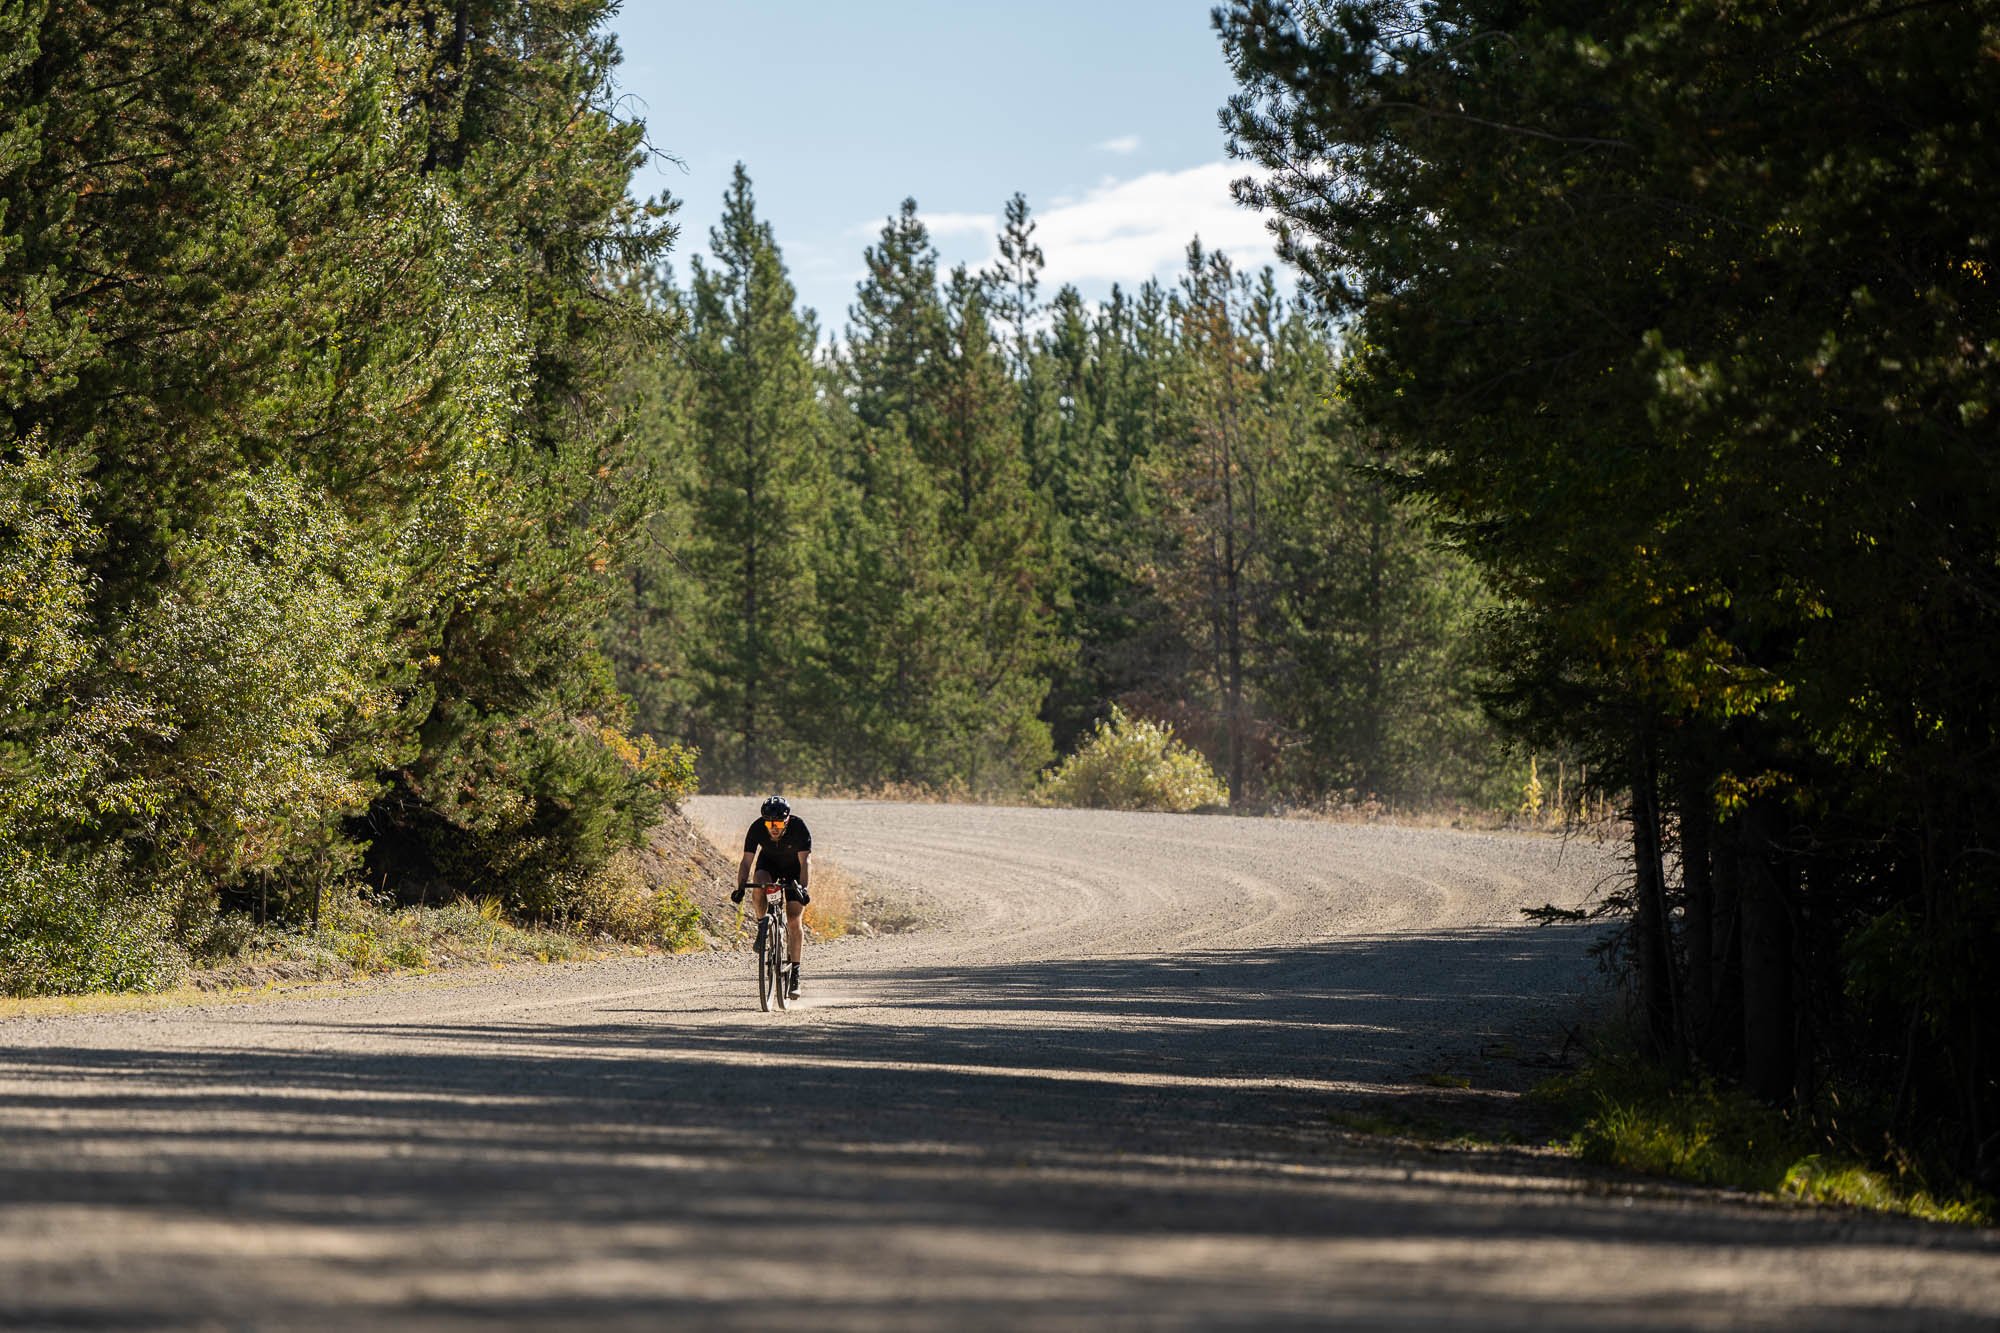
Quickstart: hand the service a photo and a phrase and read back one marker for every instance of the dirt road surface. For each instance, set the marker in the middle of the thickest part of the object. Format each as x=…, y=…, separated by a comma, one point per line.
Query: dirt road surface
x=1092, y=1092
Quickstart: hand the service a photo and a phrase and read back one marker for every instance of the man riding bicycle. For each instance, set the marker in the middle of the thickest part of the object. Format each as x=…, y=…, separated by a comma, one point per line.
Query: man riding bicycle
x=780, y=845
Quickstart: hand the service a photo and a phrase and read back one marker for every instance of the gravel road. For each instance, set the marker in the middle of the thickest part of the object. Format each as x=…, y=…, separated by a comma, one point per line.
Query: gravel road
x=1093, y=1091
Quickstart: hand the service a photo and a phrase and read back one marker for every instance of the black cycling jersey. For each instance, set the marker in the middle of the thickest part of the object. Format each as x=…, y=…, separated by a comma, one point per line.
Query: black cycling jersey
x=779, y=858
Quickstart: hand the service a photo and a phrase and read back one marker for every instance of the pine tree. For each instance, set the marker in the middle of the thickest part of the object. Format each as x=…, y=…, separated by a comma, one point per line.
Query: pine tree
x=516, y=122
x=328, y=406
x=759, y=491
x=896, y=333
x=1212, y=471
x=998, y=532
x=1016, y=279
x=879, y=710
x=1369, y=634
x=1687, y=351
x=653, y=624
x=926, y=375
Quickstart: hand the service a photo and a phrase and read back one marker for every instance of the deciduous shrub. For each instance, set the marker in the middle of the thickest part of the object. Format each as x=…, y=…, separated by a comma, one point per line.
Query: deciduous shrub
x=1131, y=763
x=71, y=925
x=618, y=900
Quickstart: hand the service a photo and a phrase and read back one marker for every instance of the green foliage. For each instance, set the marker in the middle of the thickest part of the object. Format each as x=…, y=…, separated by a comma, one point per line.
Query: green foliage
x=617, y=902
x=1632, y=1117
x=312, y=481
x=1133, y=764
x=758, y=483
x=656, y=606
x=676, y=920
x=879, y=712
x=365, y=935
x=246, y=668
x=44, y=593
x=73, y=923
x=983, y=528
x=1213, y=471
x=1678, y=320
x=1370, y=673
x=940, y=502
x=529, y=807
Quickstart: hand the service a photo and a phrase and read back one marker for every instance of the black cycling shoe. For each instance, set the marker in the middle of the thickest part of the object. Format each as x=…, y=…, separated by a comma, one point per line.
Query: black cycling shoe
x=794, y=985
x=763, y=933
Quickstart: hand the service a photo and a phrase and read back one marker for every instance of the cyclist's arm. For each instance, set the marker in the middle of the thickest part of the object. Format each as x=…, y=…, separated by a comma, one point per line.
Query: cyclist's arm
x=743, y=868
x=805, y=869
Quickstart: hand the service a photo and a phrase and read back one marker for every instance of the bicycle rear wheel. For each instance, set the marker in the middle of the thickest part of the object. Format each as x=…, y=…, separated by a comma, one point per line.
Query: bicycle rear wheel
x=778, y=978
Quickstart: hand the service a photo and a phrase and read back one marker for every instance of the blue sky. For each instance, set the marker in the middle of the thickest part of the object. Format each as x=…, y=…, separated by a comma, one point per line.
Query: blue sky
x=1103, y=112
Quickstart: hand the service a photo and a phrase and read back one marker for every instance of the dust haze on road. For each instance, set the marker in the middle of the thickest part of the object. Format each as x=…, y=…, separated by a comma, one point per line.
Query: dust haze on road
x=1093, y=1090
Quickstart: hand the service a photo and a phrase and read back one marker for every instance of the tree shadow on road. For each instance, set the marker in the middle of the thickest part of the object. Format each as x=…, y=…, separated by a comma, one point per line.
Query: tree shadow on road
x=1028, y=1145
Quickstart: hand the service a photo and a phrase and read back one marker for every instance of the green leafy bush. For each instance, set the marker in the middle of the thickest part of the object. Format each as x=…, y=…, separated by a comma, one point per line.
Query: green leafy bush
x=253, y=667
x=616, y=900
x=1133, y=764
x=74, y=925
x=537, y=809
x=676, y=921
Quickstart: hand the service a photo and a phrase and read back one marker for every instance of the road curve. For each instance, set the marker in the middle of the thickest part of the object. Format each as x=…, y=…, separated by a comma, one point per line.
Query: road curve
x=1092, y=1092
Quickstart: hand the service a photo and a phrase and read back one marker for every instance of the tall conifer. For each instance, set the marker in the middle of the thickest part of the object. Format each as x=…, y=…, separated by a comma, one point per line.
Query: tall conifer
x=1213, y=469
x=759, y=493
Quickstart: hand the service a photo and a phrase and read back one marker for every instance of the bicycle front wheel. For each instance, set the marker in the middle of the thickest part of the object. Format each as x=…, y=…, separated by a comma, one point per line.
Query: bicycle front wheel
x=768, y=979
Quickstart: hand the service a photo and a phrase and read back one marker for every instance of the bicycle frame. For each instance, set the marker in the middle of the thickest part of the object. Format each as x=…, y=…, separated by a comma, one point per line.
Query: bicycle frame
x=771, y=965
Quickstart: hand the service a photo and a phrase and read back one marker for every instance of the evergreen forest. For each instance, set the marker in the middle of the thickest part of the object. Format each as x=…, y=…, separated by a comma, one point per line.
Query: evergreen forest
x=387, y=503
x=932, y=553
x=1683, y=320
x=383, y=511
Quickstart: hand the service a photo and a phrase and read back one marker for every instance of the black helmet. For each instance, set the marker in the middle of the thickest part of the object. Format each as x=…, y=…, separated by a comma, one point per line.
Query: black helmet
x=777, y=807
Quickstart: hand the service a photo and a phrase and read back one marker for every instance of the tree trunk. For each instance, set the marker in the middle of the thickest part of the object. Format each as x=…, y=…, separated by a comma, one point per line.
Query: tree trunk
x=1725, y=1031
x=1233, y=611
x=1769, y=1064
x=1375, y=681
x=1697, y=830
x=1652, y=944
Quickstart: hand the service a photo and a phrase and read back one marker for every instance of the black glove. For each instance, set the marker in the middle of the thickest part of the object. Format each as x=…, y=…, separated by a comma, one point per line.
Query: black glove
x=804, y=897
x=737, y=896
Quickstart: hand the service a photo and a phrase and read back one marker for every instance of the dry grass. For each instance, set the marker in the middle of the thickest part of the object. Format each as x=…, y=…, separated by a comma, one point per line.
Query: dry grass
x=359, y=939
x=835, y=909
x=121, y=1002
x=835, y=905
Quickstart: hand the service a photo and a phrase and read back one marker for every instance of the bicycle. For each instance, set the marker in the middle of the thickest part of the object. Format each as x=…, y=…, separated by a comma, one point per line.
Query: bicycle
x=771, y=964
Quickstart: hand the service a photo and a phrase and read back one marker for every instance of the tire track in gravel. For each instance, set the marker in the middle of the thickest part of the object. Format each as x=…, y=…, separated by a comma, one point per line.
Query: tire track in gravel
x=1092, y=1093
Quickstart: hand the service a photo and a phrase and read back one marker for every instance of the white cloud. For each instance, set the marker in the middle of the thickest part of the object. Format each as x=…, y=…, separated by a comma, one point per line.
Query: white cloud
x=1128, y=231
x=962, y=224
x=1123, y=231
x=1124, y=145
x=986, y=225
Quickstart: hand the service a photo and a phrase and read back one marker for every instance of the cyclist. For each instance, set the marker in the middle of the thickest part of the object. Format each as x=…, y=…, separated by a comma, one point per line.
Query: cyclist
x=780, y=845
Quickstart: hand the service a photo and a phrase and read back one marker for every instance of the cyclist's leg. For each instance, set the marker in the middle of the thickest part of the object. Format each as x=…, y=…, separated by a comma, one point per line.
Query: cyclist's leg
x=795, y=936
